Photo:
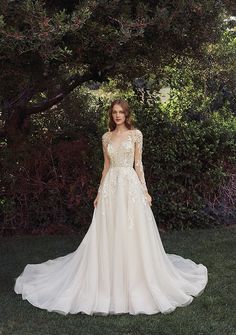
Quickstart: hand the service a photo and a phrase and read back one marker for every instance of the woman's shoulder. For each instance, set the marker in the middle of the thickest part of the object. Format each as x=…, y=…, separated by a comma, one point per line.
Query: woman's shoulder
x=106, y=135
x=136, y=131
x=137, y=134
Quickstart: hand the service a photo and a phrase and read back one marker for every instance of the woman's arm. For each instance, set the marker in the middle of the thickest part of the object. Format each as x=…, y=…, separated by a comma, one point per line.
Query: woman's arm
x=106, y=159
x=138, y=158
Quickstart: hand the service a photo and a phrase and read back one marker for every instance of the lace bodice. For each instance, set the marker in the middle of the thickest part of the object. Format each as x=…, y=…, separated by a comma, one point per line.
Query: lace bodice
x=127, y=153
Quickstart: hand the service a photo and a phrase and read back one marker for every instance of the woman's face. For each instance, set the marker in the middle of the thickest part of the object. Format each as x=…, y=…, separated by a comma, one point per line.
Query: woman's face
x=118, y=114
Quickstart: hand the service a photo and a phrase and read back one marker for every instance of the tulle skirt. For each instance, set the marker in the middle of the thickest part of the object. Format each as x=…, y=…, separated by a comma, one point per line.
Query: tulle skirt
x=120, y=266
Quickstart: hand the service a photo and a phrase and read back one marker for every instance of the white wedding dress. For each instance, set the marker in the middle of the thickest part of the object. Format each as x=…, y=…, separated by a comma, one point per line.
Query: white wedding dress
x=120, y=266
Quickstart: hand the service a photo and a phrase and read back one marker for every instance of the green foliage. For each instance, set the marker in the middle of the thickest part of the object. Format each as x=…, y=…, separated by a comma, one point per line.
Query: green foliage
x=51, y=183
x=188, y=163
x=189, y=140
x=41, y=38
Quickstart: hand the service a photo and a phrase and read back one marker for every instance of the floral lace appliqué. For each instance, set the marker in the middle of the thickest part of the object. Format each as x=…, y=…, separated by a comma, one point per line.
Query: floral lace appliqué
x=124, y=157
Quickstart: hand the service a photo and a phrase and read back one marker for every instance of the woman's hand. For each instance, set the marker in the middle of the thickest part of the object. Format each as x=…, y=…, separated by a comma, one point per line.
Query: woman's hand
x=149, y=198
x=95, y=201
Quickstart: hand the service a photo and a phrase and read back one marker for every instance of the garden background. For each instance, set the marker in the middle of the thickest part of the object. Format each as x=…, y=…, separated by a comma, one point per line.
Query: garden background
x=62, y=63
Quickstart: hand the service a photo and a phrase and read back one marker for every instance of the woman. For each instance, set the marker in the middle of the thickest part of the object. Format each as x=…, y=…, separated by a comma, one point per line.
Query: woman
x=120, y=266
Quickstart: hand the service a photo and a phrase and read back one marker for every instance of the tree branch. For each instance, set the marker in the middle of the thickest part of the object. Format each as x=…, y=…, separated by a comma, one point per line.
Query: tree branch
x=73, y=82
x=48, y=103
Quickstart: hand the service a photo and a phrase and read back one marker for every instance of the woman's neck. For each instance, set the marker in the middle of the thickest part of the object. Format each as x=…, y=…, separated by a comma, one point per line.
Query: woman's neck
x=121, y=128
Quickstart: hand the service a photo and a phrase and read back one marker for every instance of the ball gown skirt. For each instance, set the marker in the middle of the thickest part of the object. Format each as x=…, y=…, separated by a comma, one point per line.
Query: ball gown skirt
x=120, y=266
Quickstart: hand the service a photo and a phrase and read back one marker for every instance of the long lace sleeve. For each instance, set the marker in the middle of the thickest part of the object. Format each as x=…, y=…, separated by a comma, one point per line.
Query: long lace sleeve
x=106, y=158
x=138, y=158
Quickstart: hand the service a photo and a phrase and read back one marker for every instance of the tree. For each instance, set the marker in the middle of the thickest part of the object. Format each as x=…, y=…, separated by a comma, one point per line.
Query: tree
x=48, y=48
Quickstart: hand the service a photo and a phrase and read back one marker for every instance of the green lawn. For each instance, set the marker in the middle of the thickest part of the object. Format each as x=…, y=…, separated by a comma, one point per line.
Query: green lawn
x=211, y=313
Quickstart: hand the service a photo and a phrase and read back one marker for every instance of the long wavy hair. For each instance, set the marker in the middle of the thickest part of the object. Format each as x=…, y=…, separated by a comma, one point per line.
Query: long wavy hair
x=128, y=115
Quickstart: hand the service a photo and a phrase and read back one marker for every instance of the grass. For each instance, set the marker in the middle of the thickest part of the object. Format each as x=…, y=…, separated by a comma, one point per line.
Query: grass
x=209, y=314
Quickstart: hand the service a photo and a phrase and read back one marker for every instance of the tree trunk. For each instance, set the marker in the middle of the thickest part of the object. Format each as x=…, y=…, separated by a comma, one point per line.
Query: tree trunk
x=16, y=128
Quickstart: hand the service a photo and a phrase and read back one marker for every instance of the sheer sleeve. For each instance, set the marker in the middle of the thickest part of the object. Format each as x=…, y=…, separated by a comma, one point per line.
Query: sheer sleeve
x=106, y=166
x=138, y=140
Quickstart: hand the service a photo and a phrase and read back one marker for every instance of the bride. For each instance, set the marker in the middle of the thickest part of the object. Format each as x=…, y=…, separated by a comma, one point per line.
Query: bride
x=121, y=265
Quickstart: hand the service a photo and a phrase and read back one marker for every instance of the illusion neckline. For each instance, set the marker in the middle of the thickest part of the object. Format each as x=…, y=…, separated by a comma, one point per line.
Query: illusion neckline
x=122, y=141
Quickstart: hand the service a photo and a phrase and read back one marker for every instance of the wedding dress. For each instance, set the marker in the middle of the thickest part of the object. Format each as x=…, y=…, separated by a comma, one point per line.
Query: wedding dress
x=121, y=265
